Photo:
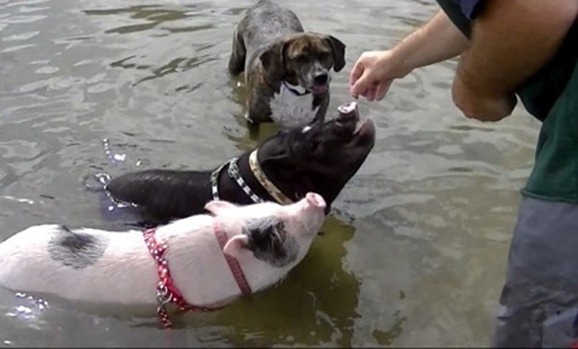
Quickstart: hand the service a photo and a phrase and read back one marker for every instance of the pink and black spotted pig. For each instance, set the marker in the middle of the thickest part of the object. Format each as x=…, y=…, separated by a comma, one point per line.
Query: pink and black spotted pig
x=205, y=256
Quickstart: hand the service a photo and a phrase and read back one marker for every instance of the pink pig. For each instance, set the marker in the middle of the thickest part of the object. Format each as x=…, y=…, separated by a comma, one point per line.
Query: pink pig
x=117, y=270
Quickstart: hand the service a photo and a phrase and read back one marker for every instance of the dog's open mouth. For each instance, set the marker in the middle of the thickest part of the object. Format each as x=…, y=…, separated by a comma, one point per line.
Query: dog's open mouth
x=349, y=125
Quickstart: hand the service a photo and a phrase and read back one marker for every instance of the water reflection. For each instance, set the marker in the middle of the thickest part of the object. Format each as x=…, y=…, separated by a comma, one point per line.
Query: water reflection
x=153, y=16
x=241, y=136
x=315, y=305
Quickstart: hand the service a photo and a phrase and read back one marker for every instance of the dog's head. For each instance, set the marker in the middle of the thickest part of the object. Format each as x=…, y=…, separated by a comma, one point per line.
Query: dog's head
x=320, y=157
x=305, y=59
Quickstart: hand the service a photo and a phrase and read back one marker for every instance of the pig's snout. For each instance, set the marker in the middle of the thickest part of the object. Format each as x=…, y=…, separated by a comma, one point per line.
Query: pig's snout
x=310, y=213
x=348, y=111
x=315, y=200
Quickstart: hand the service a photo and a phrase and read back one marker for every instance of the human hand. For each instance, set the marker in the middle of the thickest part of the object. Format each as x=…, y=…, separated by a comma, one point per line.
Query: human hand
x=373, y=74
x=483, y=107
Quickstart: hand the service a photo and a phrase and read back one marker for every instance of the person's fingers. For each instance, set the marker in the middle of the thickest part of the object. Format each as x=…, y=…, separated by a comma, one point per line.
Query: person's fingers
x=371, y=90
x=359, y=93
x=355, y=91
x=360, y=86
x=356, y=72
x=382, y=89
x=358, y=90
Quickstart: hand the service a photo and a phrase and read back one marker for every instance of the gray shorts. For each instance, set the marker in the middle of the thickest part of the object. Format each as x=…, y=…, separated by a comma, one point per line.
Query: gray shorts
x=540, y=297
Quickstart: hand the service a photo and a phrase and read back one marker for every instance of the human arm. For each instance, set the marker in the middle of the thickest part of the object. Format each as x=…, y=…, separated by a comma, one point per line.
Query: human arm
x=437, y=40
x=511, y=40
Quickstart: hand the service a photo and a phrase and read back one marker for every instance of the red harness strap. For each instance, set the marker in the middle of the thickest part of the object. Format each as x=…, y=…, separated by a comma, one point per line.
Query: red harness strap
x=231, y=261
x=167, y=292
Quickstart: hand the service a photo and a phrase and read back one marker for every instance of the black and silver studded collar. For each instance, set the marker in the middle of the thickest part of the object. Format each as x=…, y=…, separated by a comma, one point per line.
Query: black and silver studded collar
x=235, y=174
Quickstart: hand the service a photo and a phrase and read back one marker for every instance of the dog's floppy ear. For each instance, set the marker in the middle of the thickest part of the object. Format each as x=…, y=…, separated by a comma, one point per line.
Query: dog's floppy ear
x=338, y=49
x=273, y=60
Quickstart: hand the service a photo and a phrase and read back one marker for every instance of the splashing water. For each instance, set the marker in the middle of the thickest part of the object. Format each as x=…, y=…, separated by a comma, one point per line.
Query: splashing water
x=112, y=157
x=29, y=310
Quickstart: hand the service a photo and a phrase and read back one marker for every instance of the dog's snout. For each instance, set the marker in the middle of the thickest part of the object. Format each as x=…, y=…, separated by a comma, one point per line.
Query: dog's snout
x=321, y=79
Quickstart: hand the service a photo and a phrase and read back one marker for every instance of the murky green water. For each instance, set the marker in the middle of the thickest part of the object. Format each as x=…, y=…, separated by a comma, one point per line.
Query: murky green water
x=423, y=260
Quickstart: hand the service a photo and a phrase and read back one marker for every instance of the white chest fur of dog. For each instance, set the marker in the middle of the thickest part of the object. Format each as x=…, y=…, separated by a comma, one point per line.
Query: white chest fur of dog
x=292, y=110
x=99, y=267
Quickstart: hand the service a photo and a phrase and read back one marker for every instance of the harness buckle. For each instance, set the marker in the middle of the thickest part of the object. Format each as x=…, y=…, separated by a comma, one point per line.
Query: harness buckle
x=163, y=296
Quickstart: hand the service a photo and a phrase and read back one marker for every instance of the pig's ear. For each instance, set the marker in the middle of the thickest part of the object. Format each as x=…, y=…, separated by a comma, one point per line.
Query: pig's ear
x=218, y=206
x=235, y=245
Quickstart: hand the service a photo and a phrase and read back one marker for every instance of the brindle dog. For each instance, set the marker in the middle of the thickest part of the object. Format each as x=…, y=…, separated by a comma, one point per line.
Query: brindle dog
x=287, y=70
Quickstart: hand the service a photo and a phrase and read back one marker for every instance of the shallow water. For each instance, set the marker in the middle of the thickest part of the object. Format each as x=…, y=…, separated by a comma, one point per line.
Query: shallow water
x=112, y=86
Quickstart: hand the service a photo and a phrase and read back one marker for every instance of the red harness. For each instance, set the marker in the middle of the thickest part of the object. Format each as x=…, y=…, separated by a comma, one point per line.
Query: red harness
x=167, y=292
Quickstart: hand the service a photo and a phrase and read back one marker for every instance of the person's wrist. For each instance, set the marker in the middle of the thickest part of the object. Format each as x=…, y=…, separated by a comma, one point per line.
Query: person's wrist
x=399, y=62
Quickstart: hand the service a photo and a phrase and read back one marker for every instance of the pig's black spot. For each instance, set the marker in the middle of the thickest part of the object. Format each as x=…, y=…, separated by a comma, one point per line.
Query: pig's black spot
x=76, y=249
x=269, y=242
